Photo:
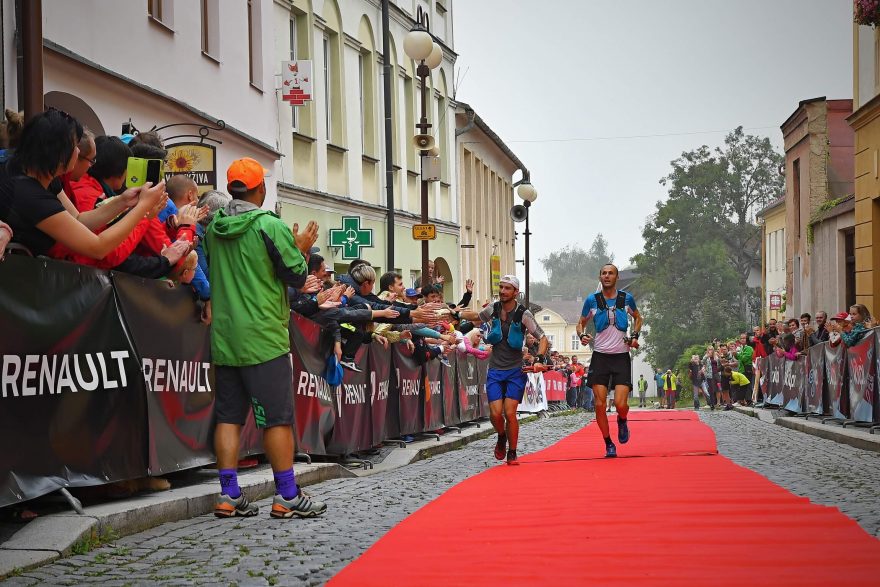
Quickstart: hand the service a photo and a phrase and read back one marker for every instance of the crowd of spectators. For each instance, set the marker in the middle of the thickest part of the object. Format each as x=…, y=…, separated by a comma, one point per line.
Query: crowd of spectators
x=63, y=195
x=728, y=373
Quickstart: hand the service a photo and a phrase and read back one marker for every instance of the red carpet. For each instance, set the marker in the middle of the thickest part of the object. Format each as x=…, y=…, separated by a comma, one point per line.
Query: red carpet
x=679, y=514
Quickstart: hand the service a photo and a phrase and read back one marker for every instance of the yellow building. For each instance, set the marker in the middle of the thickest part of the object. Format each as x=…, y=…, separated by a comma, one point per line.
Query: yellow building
x=558, y=319
x=774, y=259
x=865, y=121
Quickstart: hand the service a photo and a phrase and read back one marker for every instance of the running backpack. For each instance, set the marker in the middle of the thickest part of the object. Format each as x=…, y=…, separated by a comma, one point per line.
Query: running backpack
x=619, y=304
x=515, y=334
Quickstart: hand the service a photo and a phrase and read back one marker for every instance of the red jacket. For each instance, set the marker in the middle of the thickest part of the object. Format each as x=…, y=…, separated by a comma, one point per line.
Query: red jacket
x=85, y=193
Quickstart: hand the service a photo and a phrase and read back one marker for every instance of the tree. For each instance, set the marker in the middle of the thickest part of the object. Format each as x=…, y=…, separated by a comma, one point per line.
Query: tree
x=702, y=243
x=572, y=271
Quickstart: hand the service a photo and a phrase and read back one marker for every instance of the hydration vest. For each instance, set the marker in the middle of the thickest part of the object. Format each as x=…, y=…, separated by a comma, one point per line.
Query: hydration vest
x=515, y=333
x=619, y=304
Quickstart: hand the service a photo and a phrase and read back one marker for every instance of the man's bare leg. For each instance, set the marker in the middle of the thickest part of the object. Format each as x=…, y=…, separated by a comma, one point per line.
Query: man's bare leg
x=496, y=416
x=600, y=400
x=510, y=406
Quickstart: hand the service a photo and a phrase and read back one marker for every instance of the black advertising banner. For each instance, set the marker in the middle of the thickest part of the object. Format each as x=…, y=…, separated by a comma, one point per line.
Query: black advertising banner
x=433, y=416
x=814, y=390
x=383, y=399
x=483, y=371
x=408, y=375
x=313, y=396
x=174, y=349
x=468, y=388
x=794, y=376
x=860, y=366
x=835, y=359
x=73, y=406
x=352, y=430
x=775, y=376
x=449, y=389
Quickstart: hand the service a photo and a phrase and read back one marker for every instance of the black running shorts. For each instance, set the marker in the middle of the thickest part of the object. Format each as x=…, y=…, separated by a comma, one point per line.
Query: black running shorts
x=610, y=370
x=266, y=387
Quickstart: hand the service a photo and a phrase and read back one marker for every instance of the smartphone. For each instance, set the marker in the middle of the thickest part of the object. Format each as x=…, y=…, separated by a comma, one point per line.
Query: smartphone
x=140, y=171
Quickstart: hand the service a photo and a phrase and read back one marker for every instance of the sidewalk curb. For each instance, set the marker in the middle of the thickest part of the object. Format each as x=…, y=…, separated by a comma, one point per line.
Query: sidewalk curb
x=55, y=536
x=851, y=436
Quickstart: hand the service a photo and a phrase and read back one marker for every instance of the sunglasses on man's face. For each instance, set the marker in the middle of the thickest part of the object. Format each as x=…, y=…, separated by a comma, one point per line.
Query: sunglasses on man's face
x=91, y=161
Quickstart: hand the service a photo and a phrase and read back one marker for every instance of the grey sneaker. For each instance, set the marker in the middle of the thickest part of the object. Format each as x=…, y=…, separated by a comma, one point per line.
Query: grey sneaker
x=226, y=507
x=351, y=366
x=302, y=505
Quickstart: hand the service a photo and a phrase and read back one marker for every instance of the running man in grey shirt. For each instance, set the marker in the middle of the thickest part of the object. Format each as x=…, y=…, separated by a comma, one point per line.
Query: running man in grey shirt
x=506, y=380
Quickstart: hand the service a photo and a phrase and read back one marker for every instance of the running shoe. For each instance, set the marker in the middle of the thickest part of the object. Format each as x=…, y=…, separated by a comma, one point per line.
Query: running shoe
x=511, y=457
x=227, y=507
x=610, y=451
x=444, y=361
x=302, y=506
x=500, y=447
x=622, y=431
x=351, y=366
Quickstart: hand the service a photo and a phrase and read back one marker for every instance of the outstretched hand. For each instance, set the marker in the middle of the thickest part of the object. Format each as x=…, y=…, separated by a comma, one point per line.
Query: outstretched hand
x=305, y=240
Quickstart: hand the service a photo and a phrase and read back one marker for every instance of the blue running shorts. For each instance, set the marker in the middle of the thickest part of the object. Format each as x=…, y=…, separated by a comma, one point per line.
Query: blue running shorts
x=507, y=383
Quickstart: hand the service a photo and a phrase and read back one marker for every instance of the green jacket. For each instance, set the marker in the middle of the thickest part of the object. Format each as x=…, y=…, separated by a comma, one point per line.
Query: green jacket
x=744, y=358
x=670, y=381
x=253, y=260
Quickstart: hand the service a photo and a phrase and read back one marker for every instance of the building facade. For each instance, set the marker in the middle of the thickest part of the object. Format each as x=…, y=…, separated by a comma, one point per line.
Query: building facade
x=333, y=168
x=865, y=121
x=818, y=176
x=486, y=168
x=774, y=260
x=159, y=63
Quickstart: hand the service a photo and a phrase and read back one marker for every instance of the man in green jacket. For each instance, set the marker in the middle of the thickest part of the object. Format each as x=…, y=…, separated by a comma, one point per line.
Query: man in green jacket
x=744, y=356
x=254, y=258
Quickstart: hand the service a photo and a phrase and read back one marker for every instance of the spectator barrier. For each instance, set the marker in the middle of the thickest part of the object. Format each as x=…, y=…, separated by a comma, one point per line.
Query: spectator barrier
x=555, y=386
x=839, y=382
x=106, y=377
x=535, y=396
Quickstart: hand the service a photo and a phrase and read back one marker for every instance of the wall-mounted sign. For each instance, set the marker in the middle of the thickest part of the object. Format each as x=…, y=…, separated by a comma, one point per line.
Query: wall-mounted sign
x=495, y=270
x=351, y=237
x=296, y=81
x=195, y=160
x=775, y=301
x=424, y=232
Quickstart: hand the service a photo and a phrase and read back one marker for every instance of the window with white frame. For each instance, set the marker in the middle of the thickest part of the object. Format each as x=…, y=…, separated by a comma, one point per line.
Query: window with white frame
x=575, y=342
x=211, y=29
x=161, y=11
x=546, y=317
x=550, y=340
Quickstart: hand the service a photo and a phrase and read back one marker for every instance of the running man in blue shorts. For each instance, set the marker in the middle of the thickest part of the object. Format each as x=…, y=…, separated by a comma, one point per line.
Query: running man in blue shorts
x=610, y=365
x=506, y=382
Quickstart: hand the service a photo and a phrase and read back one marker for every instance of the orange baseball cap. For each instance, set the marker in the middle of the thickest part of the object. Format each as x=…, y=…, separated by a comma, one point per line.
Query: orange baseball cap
x=247, y=171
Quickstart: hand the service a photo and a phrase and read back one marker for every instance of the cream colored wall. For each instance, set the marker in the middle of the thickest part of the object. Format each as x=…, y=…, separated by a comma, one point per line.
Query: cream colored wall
x=485, y=199
x=555, y=325
x=775, y=257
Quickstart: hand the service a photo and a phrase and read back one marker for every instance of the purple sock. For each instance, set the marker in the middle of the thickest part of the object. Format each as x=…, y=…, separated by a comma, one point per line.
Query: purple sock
x=285, y=484
x=229, y=483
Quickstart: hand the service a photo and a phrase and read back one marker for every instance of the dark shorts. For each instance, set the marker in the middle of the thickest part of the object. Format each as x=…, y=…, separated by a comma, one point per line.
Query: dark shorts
x=266, y=387
x=610, y=370
x=505, y=384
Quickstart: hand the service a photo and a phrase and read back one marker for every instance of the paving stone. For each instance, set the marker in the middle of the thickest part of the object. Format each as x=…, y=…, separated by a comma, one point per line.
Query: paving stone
x=305, y=552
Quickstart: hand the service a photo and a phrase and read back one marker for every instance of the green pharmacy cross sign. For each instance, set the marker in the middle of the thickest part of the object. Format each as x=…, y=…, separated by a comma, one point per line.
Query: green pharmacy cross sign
x=351, y=237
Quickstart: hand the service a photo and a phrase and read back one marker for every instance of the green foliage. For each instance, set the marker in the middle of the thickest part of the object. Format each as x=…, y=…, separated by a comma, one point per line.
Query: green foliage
x=816, y=217
x=572, y=271
x=700, y=244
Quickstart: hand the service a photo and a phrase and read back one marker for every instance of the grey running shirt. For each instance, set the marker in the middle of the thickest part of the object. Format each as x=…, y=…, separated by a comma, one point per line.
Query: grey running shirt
x=503, y=357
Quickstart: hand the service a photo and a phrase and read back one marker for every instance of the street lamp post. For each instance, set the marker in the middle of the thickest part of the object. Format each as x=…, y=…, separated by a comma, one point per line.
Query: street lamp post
x=529, y=194
x=419, y=46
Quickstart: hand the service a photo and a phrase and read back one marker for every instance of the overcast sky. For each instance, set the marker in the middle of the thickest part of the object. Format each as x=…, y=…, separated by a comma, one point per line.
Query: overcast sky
x=544, y=73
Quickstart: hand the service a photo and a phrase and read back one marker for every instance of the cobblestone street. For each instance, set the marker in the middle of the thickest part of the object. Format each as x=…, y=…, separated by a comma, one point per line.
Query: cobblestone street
x=262, y=551
x=827, y=472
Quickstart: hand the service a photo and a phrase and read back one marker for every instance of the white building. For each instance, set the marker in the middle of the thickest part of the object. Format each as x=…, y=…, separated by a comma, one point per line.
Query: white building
x=334, y=147
x=157, y=63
